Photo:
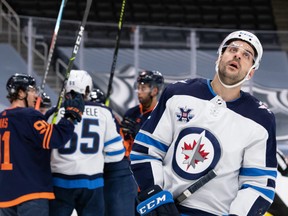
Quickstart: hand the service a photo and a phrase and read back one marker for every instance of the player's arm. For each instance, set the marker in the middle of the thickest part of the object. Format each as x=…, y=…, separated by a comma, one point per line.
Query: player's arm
x=56, y=135
x=151, y=145
x=258, y=174
x=113, y=143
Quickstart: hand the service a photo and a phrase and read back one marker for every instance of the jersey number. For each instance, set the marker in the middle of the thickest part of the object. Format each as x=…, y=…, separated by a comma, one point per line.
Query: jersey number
x=5, y=142
x=87, y=134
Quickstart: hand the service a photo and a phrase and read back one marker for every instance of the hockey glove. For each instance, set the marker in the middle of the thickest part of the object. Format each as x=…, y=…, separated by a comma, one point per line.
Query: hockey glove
x=156, y=202
x=130, y=127
x=74, y=106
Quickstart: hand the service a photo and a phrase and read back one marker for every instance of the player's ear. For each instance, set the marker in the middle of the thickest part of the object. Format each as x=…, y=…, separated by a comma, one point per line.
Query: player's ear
x=218, y=60
x=251, y=74
x=154, y=91
x=21, y=93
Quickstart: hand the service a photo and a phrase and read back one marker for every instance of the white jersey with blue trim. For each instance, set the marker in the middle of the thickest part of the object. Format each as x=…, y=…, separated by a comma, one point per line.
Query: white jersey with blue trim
x=80, y=162
x=192, y=131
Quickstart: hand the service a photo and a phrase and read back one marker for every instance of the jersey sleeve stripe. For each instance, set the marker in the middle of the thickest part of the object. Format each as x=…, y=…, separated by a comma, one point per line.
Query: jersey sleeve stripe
x=140, y=137
x=135, y=157
x=41, y=195
x=116, y=139
x=47, y=136
x=257, y=172
x=115, y=152
x=268, y=193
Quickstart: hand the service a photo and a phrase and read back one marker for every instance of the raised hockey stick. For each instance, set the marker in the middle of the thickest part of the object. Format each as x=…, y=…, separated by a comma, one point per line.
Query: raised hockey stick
x=51, y=51
x=194, y=187
x=115, y=55
x=72, y=58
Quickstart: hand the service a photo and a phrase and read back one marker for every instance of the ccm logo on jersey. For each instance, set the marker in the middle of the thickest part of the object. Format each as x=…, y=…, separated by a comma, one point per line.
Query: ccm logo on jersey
x=154, y=202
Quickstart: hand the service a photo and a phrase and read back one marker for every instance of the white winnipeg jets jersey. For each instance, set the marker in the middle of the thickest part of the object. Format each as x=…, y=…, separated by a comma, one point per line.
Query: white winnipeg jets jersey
x=80, y=163
x=192, y=131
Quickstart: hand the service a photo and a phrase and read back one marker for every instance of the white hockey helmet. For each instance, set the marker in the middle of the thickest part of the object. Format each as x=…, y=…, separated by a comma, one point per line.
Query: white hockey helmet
x=78, y=81
x=248, y=37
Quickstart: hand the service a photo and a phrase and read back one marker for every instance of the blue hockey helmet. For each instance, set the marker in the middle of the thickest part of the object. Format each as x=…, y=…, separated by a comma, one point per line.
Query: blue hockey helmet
x=97, y=95
x=19, y=81
x=154, y=78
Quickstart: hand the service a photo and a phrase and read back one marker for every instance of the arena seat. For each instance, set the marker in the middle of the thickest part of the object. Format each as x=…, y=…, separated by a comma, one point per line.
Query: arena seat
x=196, y=13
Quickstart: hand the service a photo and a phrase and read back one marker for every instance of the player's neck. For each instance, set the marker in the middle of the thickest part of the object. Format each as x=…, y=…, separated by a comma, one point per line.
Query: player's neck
x=227, y=94
x=150, y=106
x=18, y=103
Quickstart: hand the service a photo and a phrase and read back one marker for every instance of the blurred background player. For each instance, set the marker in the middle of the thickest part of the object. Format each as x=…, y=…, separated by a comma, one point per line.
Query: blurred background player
x=26, y=140
x=97, y=95
x=77, y=168
x=45, y=103
x=120, y=188
x=118, y=176
x=148, y=86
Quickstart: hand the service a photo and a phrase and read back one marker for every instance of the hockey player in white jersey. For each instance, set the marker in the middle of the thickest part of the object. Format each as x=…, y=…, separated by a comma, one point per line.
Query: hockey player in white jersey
x=77, y=168
x=201, y=125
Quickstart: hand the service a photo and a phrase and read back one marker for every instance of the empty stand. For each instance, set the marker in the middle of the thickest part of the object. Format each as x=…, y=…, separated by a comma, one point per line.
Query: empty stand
x=196, y=13
x=225, y=14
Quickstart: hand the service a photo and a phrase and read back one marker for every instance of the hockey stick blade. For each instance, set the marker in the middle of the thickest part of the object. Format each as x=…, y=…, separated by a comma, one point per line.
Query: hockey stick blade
x=51, y=51
x=194, y=187
x=72, y=58
x=115, y=55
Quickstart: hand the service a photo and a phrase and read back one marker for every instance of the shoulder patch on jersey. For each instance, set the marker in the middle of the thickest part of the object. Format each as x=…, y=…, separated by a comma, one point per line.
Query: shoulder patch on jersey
x=184, y=115
x=263, y=106
x=180, y=81
x=196, y=152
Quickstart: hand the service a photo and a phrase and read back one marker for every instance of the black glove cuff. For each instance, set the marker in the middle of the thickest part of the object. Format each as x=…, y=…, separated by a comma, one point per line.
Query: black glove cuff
x=149, y=192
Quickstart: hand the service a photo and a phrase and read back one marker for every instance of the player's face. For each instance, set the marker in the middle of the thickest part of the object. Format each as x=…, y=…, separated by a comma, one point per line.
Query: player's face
x=144, y=93
x=32, y=95
x=235, y=62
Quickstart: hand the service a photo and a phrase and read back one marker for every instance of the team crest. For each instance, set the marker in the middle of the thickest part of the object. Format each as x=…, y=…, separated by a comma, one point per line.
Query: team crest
x=184, y=115
x=196, y=152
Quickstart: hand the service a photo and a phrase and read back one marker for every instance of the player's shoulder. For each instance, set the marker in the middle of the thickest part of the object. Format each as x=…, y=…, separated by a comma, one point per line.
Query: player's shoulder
x=131, y=111
x=256, y=104
x=258, y=110
x=99, y=106
x=26, y=111
x=187, y=82
x=185, y=87
x=96, y=104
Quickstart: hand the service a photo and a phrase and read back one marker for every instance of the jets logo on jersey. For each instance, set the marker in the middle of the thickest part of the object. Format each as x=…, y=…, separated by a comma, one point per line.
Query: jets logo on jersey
x=184, y=115
x=196, y=152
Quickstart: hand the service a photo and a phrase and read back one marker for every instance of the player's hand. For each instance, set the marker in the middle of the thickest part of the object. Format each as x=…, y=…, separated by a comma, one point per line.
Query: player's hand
x=129, y=126
x=74, y=106
x=156, y=202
